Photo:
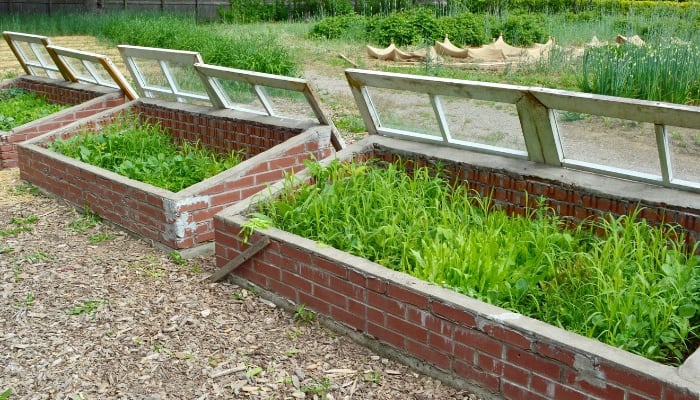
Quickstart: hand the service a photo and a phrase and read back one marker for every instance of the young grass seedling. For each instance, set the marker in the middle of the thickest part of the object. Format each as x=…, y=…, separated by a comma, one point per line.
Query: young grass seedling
x=304, y=315
x=85, y=222
x=89, y=307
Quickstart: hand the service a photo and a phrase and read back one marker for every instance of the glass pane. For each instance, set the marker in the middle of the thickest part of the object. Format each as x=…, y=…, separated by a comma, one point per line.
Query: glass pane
x=483, y=122
x=185, y=78
x=409, y=111
x=607, y=141
x=78, y=69
x=152, y=74
x=289, y=104
x=684, y=145
x=240, y=95
x=101, y=74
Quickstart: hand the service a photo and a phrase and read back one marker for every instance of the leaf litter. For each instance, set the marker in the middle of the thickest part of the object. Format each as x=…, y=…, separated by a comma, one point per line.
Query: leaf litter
x=117, y=318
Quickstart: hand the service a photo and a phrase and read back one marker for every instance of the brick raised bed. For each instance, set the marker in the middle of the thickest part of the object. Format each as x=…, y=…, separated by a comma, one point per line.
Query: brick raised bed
x=498, y=353
x=179, y=220
x=86, y=100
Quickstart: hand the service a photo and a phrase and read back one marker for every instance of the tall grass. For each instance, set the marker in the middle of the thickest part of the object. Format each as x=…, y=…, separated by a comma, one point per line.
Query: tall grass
x=635, y=287
x=665, y=72
x=258, y=51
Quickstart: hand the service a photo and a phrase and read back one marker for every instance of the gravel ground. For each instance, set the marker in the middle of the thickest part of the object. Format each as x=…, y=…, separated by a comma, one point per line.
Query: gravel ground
x=90, y=312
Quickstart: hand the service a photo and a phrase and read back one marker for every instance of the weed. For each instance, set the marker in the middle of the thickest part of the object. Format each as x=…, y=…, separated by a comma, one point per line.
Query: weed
x=291, y=352
x=294, y=334
x=25, y=188
x=27, y=301
x=317, y=387
x=372, y=377
x=176, y=257
x=88, y=307
x=20, y=225
x=148, y=266
x=571, y=116
x=36, y=256
x=351, y=123
x=304, y=315
x=253, y=371
x=5, y=395
x=100, y=237
x=85, y=222
x=256, y=221
x=6, y=249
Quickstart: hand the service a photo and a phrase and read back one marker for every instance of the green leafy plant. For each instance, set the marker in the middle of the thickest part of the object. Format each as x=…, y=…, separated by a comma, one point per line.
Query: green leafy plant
x=25, y=188
x=37, y=256
x=146, y=152
x=87, y=220
x=177, y=257
x=18, y=107
x=88, y=307
x=100, y=237
x=316, y=387
x=20, y=225
x=27, y=301
x=6, y=394
x=596, y=285
x=304, y=315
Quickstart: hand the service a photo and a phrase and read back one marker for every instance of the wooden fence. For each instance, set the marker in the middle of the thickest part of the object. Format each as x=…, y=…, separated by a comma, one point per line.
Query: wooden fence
x=203, y=9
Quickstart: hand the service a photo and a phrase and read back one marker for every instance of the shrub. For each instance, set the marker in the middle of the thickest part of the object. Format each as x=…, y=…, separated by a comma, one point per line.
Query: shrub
x=350, y=26
x=404, y=28
x=465, y=29
x=525, y=29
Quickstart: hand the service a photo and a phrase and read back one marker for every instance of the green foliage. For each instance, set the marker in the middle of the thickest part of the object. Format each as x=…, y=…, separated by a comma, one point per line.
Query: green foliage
x=255, y=52
x=524, y=29
x=146, y=152
x=87, y=221
x=464, y=29
x=88, y=307
x=344, y=26
x=19, y=225
x=415, y=26
x=594, y=285
x=100, y=237
x=18, y=107
x=246, y=11
x=6, y=394
x=177, y=257
x=664, y=72
x=302, y=314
